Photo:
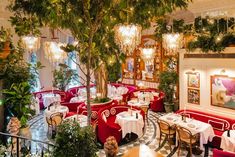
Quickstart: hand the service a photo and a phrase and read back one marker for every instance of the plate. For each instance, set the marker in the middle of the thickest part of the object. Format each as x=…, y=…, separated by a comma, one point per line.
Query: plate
x=191, y=125
x=169, y=118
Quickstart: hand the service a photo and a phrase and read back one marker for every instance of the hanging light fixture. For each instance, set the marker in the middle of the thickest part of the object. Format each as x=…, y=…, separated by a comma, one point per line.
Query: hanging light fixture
x=172, y=43
x=127, y=36
x=31, y=43
x=53, y=52
x=148, y=54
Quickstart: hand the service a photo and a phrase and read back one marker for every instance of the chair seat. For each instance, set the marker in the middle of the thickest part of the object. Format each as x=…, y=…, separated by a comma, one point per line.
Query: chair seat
x=167, y=131
x=193, y=140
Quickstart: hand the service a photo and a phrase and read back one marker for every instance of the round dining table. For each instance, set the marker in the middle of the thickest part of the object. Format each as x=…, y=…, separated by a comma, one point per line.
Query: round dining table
x=50, y=98
x=82, y=119
x=228, y=142
x=131, y=122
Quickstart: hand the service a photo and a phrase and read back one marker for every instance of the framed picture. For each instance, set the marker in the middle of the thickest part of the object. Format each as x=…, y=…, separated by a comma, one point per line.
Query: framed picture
x=193, y=80
x=193, y=96
x=223, y=91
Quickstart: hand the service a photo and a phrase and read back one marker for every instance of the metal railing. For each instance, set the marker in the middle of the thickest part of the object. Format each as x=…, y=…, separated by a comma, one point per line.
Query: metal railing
x=18, y=146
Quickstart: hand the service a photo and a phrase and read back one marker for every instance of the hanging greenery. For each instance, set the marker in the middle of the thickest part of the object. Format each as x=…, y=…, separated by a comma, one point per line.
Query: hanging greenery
x=210, y=34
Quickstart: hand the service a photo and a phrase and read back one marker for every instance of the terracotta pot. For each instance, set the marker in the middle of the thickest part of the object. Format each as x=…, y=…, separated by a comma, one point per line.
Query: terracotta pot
x=25, y=132
x=6, y=50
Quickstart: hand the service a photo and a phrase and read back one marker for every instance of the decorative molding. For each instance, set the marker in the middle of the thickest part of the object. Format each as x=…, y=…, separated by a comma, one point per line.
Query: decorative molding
x=217, y=55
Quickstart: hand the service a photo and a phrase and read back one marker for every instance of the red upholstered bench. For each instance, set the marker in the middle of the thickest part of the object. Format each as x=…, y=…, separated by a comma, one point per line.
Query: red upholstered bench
x=220, y=153
x=155, y=105
x=82, y=109
x=219, y=123
x=107, y=126
x=40, y=94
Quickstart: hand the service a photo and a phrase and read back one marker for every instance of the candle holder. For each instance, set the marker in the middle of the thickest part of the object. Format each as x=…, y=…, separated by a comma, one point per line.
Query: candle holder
x=183, y=118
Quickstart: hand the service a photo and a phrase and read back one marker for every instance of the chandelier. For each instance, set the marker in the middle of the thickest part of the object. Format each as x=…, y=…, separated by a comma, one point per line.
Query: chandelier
x=127, y=37
x=148, y=54
x=31, y=43
x=172, y=43
x=53, y=52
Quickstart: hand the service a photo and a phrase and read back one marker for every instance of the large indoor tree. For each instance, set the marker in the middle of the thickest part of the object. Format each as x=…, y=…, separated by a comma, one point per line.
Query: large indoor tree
x=91, y=23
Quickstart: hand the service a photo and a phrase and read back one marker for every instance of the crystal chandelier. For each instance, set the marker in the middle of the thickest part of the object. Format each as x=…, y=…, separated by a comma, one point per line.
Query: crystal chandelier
x=148, y=54
x=53, y=52
x=172, y=43
x=127, y=36
x=31, y=43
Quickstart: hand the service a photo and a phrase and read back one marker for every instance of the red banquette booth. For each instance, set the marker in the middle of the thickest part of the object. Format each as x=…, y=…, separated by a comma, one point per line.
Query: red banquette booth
x=106, y=122
x=158, y=96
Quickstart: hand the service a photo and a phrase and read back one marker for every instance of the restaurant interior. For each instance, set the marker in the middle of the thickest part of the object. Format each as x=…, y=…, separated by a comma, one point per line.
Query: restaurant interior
x=117, y=78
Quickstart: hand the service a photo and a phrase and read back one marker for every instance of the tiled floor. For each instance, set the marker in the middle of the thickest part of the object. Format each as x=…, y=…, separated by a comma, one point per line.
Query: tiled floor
x=149, y=138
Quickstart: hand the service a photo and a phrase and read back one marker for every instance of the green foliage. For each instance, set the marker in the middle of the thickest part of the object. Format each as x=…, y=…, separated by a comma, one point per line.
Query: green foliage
x=25, y=26
x=63, y=76
x=206, y=43
x=168, y=80
x=100, y=100
x=18, y=100
x=74, y=141
x=15, y=69
x=4, y=37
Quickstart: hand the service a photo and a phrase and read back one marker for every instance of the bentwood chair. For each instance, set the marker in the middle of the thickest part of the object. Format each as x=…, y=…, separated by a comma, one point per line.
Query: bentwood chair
x=166, y=129
x=185, y=137
x=54, y=121
x=145, y=108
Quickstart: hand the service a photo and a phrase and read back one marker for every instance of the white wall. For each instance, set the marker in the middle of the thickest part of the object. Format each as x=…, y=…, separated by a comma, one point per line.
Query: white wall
x=206, y=68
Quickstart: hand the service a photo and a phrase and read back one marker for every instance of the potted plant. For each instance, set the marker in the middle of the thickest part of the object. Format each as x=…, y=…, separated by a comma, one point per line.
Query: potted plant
x=168, y=81
x=73, y=140
x=63, y=76
x=18, y=100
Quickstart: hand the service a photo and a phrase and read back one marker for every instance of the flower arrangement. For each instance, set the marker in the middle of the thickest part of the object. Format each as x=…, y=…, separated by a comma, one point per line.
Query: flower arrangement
x=111, y=147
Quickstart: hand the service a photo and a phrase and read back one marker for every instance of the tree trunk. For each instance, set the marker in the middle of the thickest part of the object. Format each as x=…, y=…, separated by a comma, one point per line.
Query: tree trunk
x=101, y=78
x=88, y=78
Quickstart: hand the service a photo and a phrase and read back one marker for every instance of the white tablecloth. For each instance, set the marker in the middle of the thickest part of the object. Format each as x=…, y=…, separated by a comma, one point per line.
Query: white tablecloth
x=77, y=99
x=82, y=119
x=50, y=98
x=129, y=123
x=228, y=143
x=54, y=109
x=137, y=103
x=204, y=129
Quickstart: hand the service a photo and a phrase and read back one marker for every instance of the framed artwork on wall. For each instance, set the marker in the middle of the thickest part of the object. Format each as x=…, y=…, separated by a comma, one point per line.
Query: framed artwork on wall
x=193, y=80
x=223, y=91
x=193, y=96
